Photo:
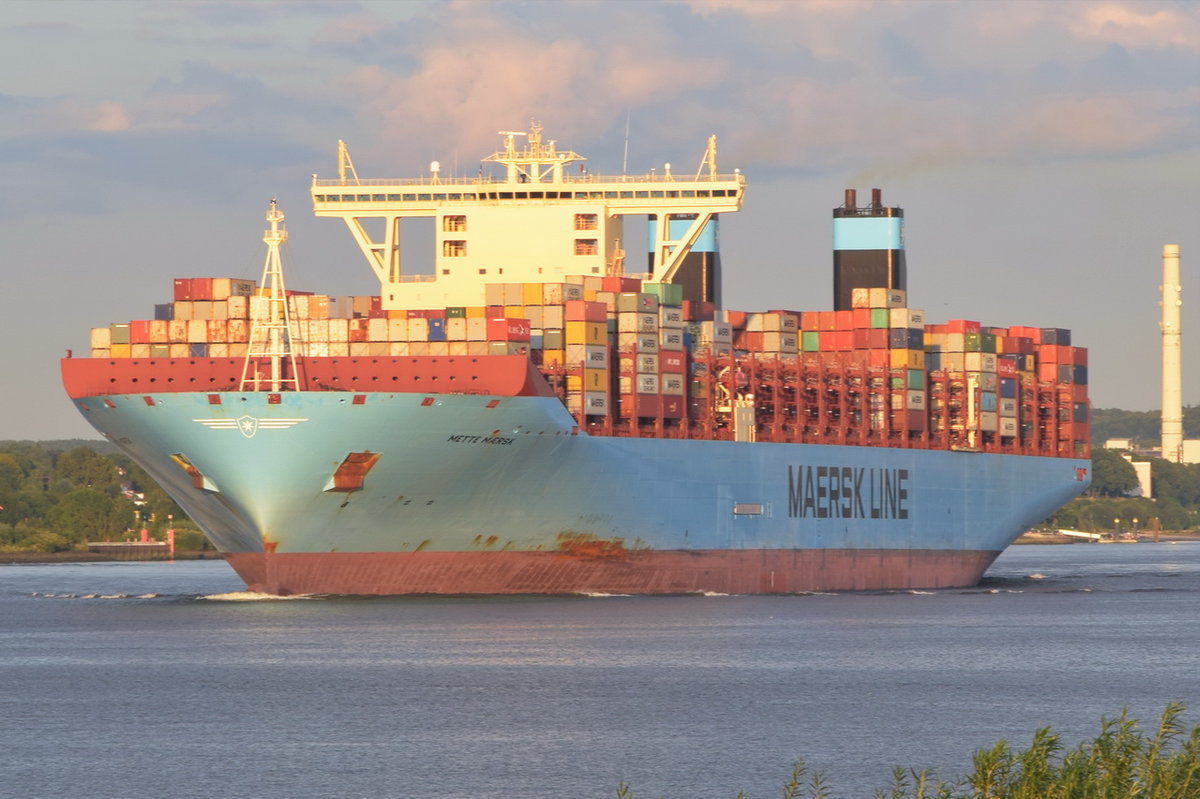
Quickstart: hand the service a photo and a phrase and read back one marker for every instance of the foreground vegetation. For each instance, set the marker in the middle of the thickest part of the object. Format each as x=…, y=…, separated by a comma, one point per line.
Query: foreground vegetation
x=1122, y=762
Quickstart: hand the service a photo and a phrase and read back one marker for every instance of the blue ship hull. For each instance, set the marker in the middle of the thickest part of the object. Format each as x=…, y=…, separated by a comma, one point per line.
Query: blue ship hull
x=494, y=494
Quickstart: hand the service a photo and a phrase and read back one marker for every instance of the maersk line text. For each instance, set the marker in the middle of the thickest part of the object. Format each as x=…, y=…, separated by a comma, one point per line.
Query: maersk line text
x=844, y=492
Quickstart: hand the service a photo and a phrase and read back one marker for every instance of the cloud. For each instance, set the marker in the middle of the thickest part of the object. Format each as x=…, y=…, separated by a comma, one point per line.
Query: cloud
x=1138, y=25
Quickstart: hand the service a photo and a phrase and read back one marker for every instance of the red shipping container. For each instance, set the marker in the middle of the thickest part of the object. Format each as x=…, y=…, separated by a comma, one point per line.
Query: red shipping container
x=1034, y=334
x=962, y=326
x=183, y=289
x=879, y=358
x=810, y=320
x=673, y=362
x=745, y=340
x=506, y=328
x=1047, y=372
x=862, y=338
x=202, y=288
x=672, y=407
x=139, y=332
x=584, y=311
x=844, y=320
x=1079, y=356
x=736, y=319
x=861, y=318
x=826, y=320
x=878, y=338
x=1006, y=366
x=357, y=331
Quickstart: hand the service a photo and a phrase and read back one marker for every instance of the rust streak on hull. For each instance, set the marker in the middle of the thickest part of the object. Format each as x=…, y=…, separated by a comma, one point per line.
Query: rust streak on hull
x=641, y=572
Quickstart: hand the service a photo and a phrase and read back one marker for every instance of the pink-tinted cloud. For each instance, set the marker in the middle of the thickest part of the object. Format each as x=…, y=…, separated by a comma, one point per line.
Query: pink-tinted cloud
x=1138, y=25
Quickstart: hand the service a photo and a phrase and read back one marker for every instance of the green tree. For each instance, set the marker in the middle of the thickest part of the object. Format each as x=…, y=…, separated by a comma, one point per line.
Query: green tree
x=87, y=513
x=1112, y=475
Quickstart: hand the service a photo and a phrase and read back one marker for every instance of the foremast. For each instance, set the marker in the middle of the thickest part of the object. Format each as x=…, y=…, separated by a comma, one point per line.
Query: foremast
x=270, y=363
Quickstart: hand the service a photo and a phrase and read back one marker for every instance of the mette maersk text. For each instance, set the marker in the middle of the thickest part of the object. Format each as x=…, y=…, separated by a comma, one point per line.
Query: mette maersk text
x=844, y=492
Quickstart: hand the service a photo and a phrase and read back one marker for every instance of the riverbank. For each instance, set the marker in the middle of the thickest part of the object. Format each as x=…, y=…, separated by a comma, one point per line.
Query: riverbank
x=79, y=556
x=1052, y=537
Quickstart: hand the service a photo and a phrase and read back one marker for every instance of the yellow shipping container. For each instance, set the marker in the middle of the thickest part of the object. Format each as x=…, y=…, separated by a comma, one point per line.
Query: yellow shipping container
x=595, y=379
x=553, y=357
x=586, y=333
x=120, y=351
x=531, y=293
x=907, y=359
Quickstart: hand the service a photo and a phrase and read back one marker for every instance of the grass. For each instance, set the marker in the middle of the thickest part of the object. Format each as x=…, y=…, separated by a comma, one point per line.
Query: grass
x=1121, y=762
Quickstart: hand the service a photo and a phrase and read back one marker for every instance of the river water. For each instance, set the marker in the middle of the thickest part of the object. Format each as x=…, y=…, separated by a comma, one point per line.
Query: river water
x=130, y=680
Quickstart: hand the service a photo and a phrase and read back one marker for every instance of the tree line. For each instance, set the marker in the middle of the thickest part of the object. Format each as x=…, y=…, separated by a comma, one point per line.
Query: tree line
x=57, y=496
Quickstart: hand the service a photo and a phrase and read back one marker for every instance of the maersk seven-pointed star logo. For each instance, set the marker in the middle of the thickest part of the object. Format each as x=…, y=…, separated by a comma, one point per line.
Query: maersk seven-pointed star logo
x=248, y=425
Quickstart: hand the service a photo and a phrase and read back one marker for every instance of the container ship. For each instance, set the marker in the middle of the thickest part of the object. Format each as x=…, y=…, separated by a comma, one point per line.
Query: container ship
x=531, y=413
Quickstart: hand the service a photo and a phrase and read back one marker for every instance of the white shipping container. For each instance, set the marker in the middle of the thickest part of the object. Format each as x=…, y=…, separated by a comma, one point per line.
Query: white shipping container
x=418, y=329
x=377, y=329
x=672, y=384
x=646, y=384
x=669, y=316
x=1008, y=426
x=980, y=362
x=477, y=329
x=1007, y=407
x=671, y=338
x=456, y=329
x=101, y=338
x=647, y=363
x=339, y=333
x=595, y=403
x=552, y=317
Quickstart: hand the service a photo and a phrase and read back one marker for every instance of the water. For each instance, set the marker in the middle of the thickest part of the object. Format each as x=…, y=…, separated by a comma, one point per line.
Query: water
x=159, y=680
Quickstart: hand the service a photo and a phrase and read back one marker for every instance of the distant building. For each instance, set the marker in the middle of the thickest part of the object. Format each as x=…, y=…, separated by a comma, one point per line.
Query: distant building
x=1118, y=443
x=1142, y=470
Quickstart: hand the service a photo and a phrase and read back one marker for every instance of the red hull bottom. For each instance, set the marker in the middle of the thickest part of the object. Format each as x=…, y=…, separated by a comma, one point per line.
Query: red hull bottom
x=647, y=572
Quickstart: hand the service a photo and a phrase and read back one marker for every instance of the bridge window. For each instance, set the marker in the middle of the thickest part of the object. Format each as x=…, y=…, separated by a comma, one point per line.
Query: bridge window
x=456, y=223
x=586, y=222
x=456, y=248
x=585, y=246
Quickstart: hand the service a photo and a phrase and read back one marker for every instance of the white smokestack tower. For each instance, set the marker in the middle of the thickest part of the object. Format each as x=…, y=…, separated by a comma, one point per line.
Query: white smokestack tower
x=1172, y=361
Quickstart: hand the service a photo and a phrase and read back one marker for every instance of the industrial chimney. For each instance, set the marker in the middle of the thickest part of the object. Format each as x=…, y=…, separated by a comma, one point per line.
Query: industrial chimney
x=1172, y=368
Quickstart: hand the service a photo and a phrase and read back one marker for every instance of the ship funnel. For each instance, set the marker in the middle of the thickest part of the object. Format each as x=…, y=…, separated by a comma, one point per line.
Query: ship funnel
x=868, y=248
x=1172, y=357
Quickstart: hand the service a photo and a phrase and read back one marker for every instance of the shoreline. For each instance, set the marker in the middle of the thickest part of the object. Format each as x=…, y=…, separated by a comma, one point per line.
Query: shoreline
x=9, y=558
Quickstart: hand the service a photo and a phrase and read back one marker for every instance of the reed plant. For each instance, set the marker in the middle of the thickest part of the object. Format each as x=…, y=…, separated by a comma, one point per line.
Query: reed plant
x=1121, y=762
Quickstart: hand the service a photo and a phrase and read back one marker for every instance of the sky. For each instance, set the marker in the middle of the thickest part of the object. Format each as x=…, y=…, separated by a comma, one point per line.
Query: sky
x=1043, y=152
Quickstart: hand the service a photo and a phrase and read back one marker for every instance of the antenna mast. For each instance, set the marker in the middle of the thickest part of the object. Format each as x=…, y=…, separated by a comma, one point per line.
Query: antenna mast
x=271, y=330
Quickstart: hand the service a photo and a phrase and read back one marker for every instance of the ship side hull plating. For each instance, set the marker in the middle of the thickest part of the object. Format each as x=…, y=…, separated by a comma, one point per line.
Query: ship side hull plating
x=482, y=494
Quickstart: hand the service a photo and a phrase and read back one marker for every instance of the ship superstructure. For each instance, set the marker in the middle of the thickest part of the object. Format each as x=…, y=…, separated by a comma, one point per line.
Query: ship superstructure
x=528, y=415
x=537, y=221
